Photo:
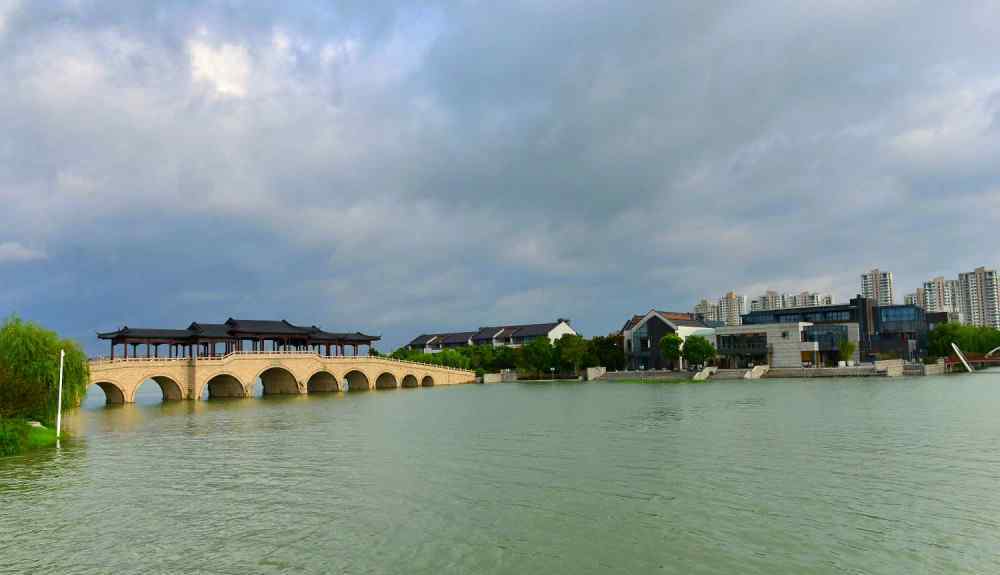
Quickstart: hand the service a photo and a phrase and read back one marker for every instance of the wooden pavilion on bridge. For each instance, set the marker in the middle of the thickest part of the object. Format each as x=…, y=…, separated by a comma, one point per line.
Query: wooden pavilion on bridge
x=235, y=335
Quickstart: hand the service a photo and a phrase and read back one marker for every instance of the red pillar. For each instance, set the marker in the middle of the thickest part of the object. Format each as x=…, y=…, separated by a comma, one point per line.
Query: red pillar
x=126, y=349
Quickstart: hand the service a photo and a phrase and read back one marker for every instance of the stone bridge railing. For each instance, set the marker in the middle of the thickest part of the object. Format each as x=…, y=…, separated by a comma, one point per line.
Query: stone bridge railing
x=280, y=372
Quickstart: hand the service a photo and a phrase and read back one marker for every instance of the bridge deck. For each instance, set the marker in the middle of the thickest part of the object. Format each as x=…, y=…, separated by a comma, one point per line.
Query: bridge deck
x=281, y=372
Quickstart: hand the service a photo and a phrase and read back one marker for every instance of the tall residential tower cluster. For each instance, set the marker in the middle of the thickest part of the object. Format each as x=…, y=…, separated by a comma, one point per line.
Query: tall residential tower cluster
x=973, y=298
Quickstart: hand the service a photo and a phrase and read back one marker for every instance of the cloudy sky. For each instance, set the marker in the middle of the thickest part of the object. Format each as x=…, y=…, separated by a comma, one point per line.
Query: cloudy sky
x=402, y=167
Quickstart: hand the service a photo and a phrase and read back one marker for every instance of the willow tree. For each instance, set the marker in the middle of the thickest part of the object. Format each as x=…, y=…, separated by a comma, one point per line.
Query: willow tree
x=29, y=378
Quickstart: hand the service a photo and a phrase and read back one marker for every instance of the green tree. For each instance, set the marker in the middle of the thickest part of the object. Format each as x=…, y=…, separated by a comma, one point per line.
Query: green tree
x=609, y=351
x=698, y=350
x=29, y=378
x=571, y=351
x=846, y=349
x=670, y=347
x=536, y=356
x=504, y=358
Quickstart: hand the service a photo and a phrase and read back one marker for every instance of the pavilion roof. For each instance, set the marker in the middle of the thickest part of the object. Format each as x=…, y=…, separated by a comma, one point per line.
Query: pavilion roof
x=234, y=328
x=265, y=326
x=146, y=333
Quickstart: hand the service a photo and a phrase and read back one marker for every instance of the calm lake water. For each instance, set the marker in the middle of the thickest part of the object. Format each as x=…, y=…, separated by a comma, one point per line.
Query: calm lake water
x=847, y=476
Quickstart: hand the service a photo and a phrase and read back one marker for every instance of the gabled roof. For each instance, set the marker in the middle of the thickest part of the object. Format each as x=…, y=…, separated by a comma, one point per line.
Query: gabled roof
x=458, y=337
x=523, y=330
x=422, y=339
x=673, y=318
x=442, y=338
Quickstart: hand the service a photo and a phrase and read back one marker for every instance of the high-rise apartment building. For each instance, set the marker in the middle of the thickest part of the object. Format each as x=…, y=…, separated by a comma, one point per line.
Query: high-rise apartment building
x=916, y=298
x=808, y=299
x=979, y=293
x=732, y=307
x=707, y=310
x=876, y=285
x=772, y=300
x=940, y=294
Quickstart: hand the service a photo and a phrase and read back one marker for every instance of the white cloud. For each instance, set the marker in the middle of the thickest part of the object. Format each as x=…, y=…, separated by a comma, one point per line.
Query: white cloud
x=14, y=252
x=226, y=68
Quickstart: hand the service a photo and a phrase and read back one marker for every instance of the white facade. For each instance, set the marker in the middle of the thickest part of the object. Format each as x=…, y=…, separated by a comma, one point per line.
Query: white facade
x=561, y=329
x=784, y=341
x=979, y=292
x=877, y=285
x=772, y=300
x=940, y=294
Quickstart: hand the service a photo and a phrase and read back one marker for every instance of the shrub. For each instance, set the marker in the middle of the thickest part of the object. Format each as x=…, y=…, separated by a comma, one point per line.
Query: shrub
x=29, y=372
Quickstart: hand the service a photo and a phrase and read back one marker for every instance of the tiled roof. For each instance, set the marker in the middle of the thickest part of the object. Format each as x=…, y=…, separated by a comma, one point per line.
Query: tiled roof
x=236, y=328
x=146, y=333
x=210, y=329
x=265, y=326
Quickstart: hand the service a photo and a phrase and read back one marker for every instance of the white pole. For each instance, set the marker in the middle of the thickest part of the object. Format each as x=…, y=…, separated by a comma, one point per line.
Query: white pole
x=62, y=360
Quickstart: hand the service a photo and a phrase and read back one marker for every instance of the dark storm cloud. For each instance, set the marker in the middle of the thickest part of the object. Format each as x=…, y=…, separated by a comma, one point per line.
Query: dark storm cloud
x=399, y=167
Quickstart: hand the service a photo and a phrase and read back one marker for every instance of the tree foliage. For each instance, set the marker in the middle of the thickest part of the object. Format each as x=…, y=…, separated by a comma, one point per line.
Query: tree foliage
x=969, y=338
x=670, y=347
x=569, y=354
x=29, y=371
x=609, y=351
x=537, y=356
x=698, y=350
x=846, y=349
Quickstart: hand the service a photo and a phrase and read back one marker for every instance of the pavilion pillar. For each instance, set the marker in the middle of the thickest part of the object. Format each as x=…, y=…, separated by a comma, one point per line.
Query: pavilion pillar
x=112, y=349
x=147, y=350
x=125, y=345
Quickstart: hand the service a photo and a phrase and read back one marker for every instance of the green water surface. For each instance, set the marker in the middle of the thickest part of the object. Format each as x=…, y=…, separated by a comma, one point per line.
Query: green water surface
x=772, y=476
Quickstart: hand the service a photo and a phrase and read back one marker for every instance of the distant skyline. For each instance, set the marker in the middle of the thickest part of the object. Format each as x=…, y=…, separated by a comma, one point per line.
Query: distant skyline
x=398, y=167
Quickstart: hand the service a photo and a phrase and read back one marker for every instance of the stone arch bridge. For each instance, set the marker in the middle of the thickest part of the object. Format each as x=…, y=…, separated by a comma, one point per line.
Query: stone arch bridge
x=281, y=373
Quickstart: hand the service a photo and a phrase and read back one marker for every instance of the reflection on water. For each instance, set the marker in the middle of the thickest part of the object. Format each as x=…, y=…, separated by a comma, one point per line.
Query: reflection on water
x=872, y=476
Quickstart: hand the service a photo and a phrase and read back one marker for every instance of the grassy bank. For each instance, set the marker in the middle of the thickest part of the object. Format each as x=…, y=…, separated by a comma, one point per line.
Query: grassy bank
x=16, y=437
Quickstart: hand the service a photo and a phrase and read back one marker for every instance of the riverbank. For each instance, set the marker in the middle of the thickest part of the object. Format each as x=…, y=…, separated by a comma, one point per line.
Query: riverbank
x=17, y=436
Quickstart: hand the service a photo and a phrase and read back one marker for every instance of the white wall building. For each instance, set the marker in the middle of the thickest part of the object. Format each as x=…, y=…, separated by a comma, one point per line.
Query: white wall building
x=732, y=306
x=877, y=285
x=979, y=292
x=940, y=294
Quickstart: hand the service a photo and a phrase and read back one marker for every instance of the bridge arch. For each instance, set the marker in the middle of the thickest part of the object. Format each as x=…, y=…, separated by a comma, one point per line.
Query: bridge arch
x=409, y=380
x=322, y=381
x=169, y=387
x=357, y=380
x=992, y=351
x=114, y=394
x=427, y=381
x=386, y=381
x=278, y=380
x=225, y=385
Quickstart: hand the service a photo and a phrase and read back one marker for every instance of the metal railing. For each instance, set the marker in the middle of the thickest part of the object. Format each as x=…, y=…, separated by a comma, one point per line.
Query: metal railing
x=102, y=360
